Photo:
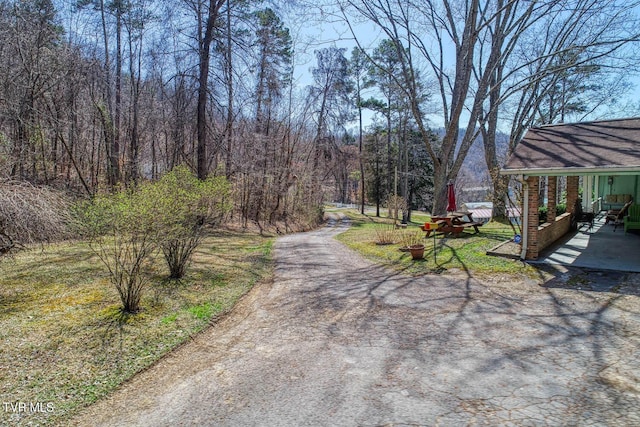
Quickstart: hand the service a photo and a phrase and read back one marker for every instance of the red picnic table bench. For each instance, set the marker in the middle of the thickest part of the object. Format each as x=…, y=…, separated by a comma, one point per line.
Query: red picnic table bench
x=453, y=223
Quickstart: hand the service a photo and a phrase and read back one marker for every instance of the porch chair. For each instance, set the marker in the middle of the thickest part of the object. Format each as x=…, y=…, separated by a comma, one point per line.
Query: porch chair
x=632, y=220
x=580, y=216
x=616, y=216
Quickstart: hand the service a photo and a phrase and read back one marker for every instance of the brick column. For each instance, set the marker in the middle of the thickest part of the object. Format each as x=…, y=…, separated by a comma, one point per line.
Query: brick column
x=552, y=189
x=572, y=192
x=533, y=183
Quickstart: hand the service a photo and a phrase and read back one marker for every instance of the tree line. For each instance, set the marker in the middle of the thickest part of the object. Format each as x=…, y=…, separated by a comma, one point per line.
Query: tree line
x=97, y=94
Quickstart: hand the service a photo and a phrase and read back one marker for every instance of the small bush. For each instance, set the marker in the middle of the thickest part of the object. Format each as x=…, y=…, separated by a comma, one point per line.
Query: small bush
x=127, y=227
x=410, y=238
x=543, y=212
x=30, y=215
x=561, y=208
x=182, y=207
x=385, y=234
x=121, y=232
x=396, y=204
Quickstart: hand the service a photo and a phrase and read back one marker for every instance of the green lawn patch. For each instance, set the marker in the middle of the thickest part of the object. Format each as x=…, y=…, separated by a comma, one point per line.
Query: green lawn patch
x=65, y=340
x=465, y=252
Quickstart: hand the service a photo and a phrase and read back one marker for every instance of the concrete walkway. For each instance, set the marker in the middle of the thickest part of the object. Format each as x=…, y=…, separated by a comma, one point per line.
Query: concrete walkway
x=600, y=248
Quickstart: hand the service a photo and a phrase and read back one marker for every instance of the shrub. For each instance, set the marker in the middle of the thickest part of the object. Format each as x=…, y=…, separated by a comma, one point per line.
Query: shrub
x=561, y=208
x=127, y=227
x=385, y=234
x=30, y=215
x=182, y=207
x=543, y=212
x=409, y=238
x=396, y=204
x=121, y=232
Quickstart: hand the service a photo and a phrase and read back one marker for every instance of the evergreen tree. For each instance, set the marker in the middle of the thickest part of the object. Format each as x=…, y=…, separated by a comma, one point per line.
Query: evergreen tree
x=359, y=71
x=330, y=98
x=275, y=51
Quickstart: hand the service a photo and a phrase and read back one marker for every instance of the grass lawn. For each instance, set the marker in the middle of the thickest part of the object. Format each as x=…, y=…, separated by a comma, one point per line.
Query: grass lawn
x=65, y=342
x=465, y=252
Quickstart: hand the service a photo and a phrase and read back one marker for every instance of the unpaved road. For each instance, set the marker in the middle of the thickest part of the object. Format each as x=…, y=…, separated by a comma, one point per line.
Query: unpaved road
x=337, y=341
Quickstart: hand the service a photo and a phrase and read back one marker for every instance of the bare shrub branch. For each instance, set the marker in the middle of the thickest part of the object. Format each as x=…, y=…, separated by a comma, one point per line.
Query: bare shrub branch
x=30, y=214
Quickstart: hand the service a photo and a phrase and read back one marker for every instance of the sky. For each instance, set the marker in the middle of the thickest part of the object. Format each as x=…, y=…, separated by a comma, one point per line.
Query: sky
x=310, y=35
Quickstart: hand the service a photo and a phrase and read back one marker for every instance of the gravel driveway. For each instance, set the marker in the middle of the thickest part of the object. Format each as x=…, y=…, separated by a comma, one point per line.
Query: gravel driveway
x=338, y=341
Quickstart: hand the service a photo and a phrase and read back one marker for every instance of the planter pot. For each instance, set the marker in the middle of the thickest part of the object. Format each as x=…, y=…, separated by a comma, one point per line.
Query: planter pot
x=417, y=251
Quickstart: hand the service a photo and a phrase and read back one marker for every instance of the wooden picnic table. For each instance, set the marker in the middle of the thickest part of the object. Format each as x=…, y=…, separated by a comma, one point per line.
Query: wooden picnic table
x=453, y=223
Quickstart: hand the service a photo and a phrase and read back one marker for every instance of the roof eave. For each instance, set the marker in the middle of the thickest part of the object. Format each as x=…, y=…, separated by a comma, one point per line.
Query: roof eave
x=609, y=170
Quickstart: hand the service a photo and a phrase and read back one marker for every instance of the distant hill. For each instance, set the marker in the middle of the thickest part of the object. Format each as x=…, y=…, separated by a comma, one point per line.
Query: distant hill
x=473, y=181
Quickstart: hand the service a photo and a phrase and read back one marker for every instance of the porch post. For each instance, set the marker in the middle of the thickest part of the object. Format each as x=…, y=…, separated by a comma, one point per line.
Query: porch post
x=596, y=186
x=587, y=198
x=552, y=190
x=572, y=192
x=533, y=202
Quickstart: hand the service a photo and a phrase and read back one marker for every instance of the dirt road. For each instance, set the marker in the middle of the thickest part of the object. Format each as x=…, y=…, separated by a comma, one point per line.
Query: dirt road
x=337, y=341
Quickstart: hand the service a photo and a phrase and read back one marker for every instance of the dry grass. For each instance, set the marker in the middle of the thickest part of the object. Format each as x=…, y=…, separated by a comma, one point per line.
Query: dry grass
x=65, y=340
x=410, y=237
x=385, y=234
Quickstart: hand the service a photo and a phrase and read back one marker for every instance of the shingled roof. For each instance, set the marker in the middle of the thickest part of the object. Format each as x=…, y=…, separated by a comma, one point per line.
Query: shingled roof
x=600, y=147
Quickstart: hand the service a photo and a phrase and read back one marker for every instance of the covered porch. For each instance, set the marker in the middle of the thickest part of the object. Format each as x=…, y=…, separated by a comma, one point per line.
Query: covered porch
x=600, y=163
x=599, y=247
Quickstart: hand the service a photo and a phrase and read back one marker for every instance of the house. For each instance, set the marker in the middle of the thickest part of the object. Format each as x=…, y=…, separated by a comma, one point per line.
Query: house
x=600, y=158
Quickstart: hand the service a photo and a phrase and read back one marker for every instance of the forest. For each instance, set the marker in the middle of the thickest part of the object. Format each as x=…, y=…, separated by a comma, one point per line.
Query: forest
x=97, y=96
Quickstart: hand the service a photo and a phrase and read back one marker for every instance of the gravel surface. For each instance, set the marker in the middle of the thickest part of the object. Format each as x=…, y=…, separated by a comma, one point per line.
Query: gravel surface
x=337, y=341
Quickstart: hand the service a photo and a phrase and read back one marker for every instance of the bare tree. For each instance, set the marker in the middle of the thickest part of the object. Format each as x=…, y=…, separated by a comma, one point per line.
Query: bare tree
x=423, y=34
x=108, y=108
x=483, y=34
x=207, y=16
x=31, y=68
x=550, y=58
x=136, y=21
x=331, y=106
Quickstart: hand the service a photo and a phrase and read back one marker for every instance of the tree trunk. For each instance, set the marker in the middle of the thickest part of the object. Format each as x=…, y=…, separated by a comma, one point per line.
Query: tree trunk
x=115, y=150
x=360, y=159
x=440, y=180
x=111, y=144
x=204, y=56
x=229, y=127
x=135, y=76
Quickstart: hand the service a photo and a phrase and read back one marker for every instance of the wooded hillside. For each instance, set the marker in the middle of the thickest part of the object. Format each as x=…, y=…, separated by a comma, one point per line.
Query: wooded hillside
x=99, y=94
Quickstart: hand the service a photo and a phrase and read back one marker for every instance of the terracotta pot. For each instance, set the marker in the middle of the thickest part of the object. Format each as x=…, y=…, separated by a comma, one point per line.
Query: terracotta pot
x=417, y=251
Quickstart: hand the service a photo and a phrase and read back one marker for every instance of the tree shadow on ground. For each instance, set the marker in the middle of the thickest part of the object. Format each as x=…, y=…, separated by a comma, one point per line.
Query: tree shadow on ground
x=592, y=280
x=479, y=341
